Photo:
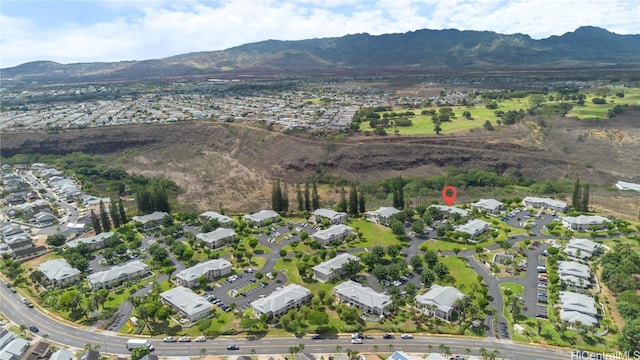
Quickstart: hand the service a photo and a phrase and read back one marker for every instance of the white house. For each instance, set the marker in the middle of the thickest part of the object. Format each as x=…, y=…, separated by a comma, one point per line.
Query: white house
x=150, y=221
x=118, y=274
x=574, y=273
x=439, y=301
x=334, y=217
x=187, y=303
x=211, y=215
x=365, y=298
x=382, y=215
x=261, y=217
x=95, y=242
x=331, y=269
x=584, y=222
x=334, y=233
x=474, y=227
x=578, y=307
x=211, y=270
x=281, y=301
x=218, y=237
x=491, y=206
x=444, y=209
x=58, y=272
x=545, y=203
x=582, y=248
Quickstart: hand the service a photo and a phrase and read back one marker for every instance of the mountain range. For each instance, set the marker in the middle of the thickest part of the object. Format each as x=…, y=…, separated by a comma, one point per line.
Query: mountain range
x=360, y=53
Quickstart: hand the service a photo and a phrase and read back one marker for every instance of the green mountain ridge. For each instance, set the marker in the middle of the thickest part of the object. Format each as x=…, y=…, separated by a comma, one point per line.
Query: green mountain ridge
x=421, y=49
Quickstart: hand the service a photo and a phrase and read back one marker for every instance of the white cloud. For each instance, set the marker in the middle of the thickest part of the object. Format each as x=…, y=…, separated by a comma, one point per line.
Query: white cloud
x=155, y=29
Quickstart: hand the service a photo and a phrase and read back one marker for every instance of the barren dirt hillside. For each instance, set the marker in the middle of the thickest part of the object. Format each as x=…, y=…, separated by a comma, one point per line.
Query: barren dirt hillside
x=232, y=165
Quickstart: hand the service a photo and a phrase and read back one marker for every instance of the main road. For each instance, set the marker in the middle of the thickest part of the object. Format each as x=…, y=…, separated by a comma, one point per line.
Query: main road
x=71, y=335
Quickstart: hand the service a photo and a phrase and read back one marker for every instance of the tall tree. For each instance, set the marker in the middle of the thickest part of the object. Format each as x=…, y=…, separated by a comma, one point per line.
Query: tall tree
x=96, y=223
x=276, y=196
x=353, y=200
x=584, y=201
x=299, y=198
x=115, y=214
x=361, y=202
x=307, y=198
x=123, y=214
x=104, y=217
x=285, y=198
x=342, y=205
x=315, y=198
x=577, y=196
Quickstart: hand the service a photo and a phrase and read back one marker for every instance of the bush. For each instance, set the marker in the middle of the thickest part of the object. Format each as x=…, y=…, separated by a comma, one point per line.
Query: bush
x=598, y=101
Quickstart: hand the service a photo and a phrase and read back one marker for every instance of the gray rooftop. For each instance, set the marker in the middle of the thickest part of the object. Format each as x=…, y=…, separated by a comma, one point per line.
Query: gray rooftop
x=117, y=272
x=261, y=216
x=364, y=295
x=443, y=297
x=279, y=300
x=222, y=219
x=215, y=235
x=334, y=263
x=201, y=269
x=328, y=213
x=58, y=269
x=186, y=300
x=385, y=211
x=473, y=226
x=325, y=235
x=156, y=216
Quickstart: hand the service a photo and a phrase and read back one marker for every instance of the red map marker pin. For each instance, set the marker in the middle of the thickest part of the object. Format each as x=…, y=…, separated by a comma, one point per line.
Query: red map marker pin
x=449, y=194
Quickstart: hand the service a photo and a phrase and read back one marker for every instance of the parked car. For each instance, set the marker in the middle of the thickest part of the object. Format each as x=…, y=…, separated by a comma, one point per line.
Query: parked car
x=233, y=347
x=357, y=341
x=200, y=339
x=406, y=336
x=184, y=339
x=169, y=339
x=388, y=336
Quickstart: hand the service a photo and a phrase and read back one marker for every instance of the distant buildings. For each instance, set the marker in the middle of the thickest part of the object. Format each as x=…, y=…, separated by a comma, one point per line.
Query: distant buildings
x=491, y=206
x=218, y=237
x=334, y=217
x=582, y=248
x=545, y=203
x=584, y=222
x=261, y=217
x=211, y=215
x=150, y=221
x=474, y=227
x=449, y=210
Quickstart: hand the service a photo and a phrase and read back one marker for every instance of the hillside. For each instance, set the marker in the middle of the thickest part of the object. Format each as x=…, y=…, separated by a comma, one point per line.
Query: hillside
x=359, y=53
x=232, y=165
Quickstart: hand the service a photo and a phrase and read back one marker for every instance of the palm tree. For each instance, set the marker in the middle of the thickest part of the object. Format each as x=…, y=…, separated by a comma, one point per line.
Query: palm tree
x=390, y=347
x=484, y=353
x=338, y=349
x=375, y=348
x=23, y=328
x=45, y=337
x=468, y=351
x=203, y=352
x=444, y=349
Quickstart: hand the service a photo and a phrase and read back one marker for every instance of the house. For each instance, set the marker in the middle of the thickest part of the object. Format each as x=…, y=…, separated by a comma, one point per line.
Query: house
x=223, y=220
x=623, y=185
x=187, y=303
x=492, y=206
x=261, y=217
x=545, y=203
x=44, y=218
x=281, y=301
x=37, y=350
x=474, y=227
x=40, y=205
x=334, y=217
x=574, y=273
x=90, y=355
x=95, y=242
x=334, y=233
x=365, y=298
x=19, y=243
x=584, y=222
x=218, y=237
x=382, y=215
x=211, y=270
x=10, y=230
x=578, y=307
x=14, y=349
x=59, y=273
x=450, y=210
x=582, y=248
x=439, y=301
x=150, y=221
x=62, y=354
x=435, y=356
x=332, y=268
x=401, y=355
x=118, y=274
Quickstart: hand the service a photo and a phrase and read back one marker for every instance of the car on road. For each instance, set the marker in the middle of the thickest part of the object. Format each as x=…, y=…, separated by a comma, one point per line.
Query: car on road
x=33, y=328
x=388, y=336
x=233, y=347
x=406, y=336
x=184, y=339
x=357, y=341
x=169, y=339
x=13, y=290
x=368, y=337
x=200, y=339
x=316, y=337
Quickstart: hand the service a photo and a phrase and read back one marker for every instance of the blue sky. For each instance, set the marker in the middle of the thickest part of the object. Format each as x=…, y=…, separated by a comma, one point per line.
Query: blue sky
x=114, y=30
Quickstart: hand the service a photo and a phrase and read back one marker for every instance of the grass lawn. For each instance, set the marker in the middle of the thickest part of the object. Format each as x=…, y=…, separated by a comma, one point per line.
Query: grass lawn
x=440, y=245
x=462, y=274
x=373, y=234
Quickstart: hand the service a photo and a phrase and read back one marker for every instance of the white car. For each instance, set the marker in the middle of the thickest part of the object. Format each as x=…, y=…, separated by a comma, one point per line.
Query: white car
x=406, y=336
x=357, y=341
x=200, y=339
